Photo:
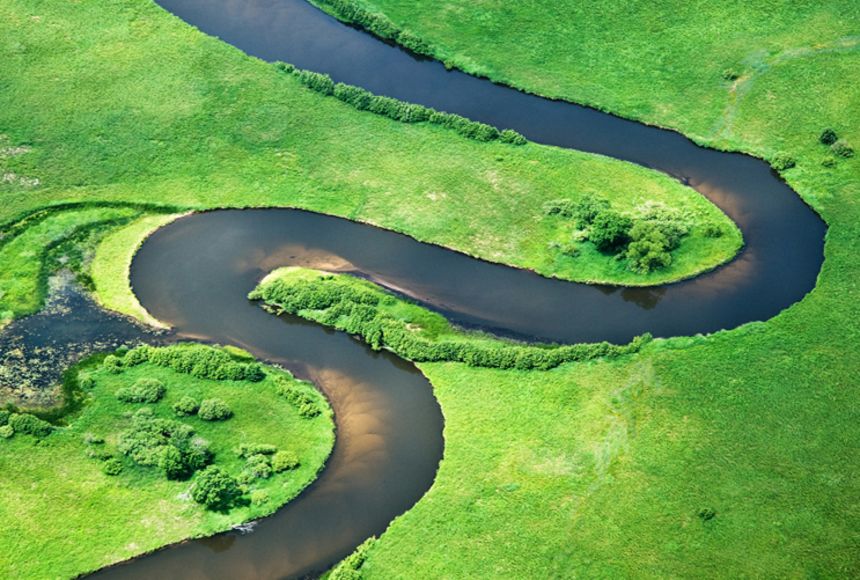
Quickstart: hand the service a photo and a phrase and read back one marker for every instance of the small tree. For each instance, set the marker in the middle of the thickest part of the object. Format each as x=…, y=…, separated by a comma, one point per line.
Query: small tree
x=216, y=489
x=828, y=137
x=173, y=464
x=609, y=230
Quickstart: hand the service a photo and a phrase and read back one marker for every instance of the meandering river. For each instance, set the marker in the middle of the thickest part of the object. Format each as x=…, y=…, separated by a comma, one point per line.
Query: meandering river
x=196, y=272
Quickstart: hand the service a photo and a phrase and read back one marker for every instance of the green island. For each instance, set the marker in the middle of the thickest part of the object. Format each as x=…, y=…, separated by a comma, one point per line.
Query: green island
x=728, y=455
x=168, y=443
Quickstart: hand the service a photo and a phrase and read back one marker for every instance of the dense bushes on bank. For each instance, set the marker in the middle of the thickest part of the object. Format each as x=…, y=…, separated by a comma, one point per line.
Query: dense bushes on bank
x=398, y=110
x=356, y=310
x=197, y=360
x=377, y=23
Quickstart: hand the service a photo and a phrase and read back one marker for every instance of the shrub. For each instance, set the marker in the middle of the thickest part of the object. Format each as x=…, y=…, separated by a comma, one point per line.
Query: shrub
x=842, y=149
x=731, y=74
x=112, y=364
x=783, y=161
x=648, y=254
x=284, y=461
x=304, y=403
x=91, y=439
x=174, y=464
x=828, y=137
x=185, y=406
x=246, y=450
x=87, y=382
x=214, y=410
x=30, y=425
x=712, y=231
x=560, y=207
x=587, y=209
x=259, y=497
x=512, y=137
x=200, y=361
x=216, y=489
x=350, y=567
x=142, y=391
x=609, y=230
x=6, y=431
x=4, y=416
x=112, y=467
x=259, y=466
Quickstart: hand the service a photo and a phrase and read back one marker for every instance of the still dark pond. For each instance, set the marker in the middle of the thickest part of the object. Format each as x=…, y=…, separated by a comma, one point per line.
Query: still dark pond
x=196, y=272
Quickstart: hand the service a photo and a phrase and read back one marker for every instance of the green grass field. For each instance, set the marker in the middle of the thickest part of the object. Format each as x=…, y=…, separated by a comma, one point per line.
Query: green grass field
x=87, y=90
x=64, y=516
x=732, y=455
x=603, y=469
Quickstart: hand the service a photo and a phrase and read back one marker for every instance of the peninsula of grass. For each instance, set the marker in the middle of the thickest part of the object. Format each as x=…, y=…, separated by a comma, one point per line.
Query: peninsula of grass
x=90, y=114
x=126, y=474
x=411, y=331
x=725, y=456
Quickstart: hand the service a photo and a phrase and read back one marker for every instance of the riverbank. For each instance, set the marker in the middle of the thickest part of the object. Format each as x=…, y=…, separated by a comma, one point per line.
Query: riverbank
x=97, y=500
x=724, y=456
x=277, y=143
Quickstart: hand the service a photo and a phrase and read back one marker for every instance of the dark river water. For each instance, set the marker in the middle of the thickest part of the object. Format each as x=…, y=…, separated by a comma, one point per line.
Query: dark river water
x=195, y=274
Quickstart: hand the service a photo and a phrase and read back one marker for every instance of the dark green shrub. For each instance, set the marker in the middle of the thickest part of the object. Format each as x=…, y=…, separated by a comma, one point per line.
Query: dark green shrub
x=145, y=440
x=828, y=137
x=214, y=410
x=6, y=431
x=609, y=230
x=707, y=514
x=842, y=149
x=783, y=161
x=185, y=406
x=28, y=424
x=712, y=231
x=319, y=82
x=201, y=361
x=142, y=391
x=216, y=489
x=112, y=467
x=174, y=464
x=284, y=461
x=4, y=416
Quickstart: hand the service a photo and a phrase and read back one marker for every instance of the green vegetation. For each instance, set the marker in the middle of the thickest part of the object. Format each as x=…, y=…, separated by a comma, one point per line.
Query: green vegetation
x=725, y=456
x=412, y=332
x=126, y=475
x=98, y=118
x=111, y=266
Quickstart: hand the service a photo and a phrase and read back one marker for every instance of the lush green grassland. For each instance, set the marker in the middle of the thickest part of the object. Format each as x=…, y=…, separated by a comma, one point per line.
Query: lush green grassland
x=64, y=516
x=602, y=469
x=120, y=101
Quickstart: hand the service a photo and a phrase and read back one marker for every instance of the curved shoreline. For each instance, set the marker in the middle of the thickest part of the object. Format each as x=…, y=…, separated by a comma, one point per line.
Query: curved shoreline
x=463, y=313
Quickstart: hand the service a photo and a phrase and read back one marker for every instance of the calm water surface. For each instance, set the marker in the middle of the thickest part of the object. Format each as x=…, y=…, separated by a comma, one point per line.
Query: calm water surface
x=196, y=272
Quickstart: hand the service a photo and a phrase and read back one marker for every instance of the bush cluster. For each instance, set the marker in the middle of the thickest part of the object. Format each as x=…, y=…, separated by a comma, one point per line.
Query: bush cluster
x=350, y=567
x=360, y=317
x=142, y=391
x=256, y=467
x=165, y=443
x=214, y=410
x=203, y=362
x=284, y=461
x=838, y=147
x=216, y=489
x=28, y=424
x=304, y=403
x=398, y=110
x=645, y=243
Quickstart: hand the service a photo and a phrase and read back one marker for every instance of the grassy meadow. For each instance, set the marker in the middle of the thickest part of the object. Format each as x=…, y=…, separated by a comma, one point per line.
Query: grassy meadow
x=732, y=455
x=65, y=515
x=120, y=101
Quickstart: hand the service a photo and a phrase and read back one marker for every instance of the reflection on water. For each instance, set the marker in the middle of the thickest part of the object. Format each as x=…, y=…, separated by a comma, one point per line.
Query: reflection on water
x=389, y=426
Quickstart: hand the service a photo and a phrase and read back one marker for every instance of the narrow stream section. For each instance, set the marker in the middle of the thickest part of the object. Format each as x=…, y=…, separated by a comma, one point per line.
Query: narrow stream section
x=196, y=272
